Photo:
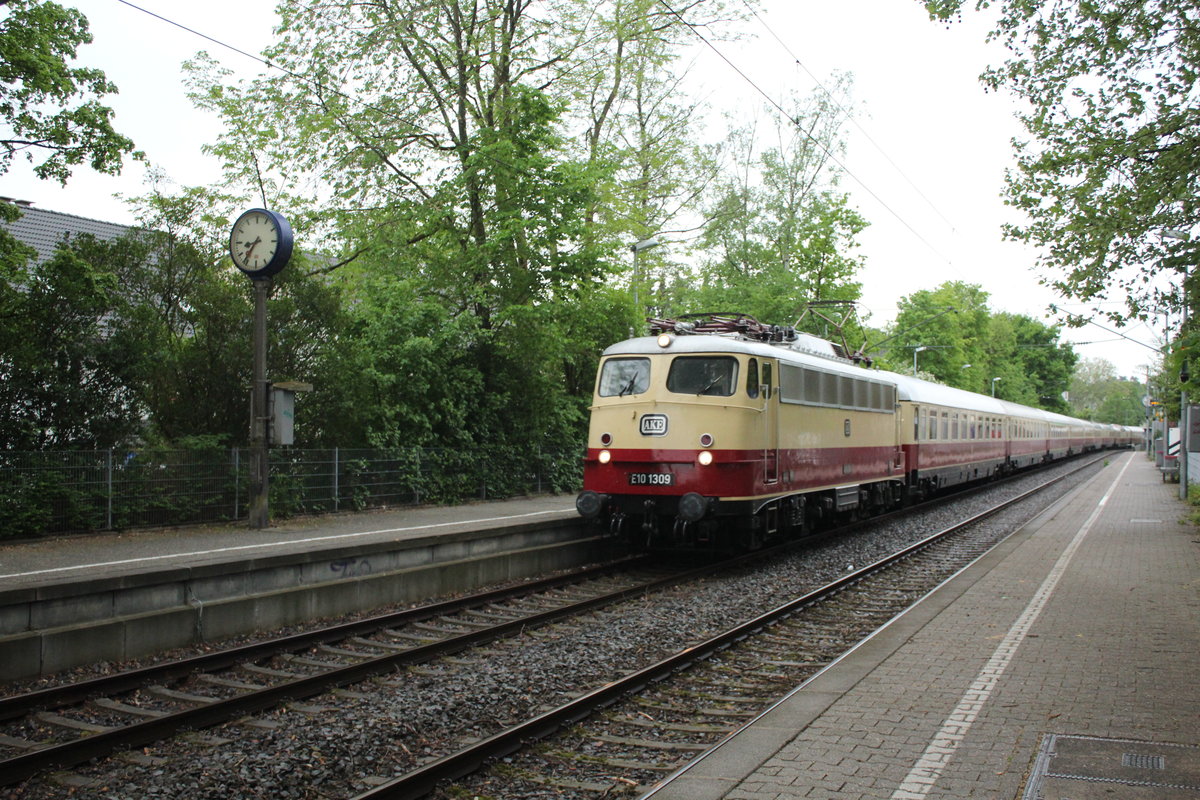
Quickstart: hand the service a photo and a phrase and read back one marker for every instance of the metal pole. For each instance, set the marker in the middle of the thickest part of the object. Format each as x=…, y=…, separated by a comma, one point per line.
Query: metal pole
x=108, y=469
x=237, y=483
x=1184, y=424
x=260, y=416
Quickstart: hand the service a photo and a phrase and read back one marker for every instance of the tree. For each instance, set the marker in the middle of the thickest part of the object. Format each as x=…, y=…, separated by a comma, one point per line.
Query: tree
x=964, y=344
x=780, y=232
x=38, y=86
x=459, y=193
x=64, y=381
x=950, y=323
x=1097, y=393
x=1110, y=165
x=1034, y=365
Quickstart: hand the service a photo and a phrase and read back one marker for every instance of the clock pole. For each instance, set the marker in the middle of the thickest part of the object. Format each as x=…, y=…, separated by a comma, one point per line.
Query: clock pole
x=260, y=245
x=260, y=413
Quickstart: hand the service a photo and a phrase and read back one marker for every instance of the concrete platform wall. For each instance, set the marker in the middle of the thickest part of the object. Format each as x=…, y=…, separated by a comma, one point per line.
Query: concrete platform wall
x=55, y=627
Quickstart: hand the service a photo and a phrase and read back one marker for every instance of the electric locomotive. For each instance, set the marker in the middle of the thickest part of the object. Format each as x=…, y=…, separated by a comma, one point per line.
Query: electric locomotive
x=729, y=433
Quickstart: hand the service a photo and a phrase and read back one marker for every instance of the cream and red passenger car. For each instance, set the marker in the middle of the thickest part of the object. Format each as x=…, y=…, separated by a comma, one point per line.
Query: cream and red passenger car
x=725, y=440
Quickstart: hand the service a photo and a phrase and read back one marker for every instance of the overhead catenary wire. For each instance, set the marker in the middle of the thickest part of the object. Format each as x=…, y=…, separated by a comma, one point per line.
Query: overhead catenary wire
x=832, y=156
x=849, y=115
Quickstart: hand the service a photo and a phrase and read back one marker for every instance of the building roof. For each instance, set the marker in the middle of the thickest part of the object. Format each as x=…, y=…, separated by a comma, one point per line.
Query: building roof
x=44, y=230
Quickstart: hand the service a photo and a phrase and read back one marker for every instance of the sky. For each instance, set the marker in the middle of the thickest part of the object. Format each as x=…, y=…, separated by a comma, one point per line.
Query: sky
x=925, y=163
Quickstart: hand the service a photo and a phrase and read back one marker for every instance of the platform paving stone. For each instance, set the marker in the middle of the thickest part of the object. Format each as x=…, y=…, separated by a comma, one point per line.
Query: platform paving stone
x=961, y=685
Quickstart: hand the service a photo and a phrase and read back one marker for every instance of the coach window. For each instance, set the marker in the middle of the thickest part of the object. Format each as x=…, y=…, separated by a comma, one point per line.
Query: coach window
x=622, y=376
x=703, y=375
x=766, y=379
x=752, y=378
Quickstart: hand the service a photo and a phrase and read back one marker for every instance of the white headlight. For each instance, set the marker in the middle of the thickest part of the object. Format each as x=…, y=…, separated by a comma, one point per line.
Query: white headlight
x=604, y=457
x=705, y=458
x=664, y=340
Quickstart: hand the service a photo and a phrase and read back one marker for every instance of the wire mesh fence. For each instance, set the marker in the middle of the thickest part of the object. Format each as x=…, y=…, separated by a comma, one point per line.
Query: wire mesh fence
x=45, y=493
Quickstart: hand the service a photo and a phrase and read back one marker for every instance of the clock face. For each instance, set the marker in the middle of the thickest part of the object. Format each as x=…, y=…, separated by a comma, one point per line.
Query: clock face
x=260, y=243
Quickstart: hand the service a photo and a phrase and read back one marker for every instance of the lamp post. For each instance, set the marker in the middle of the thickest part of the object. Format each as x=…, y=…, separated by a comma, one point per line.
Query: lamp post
x=637, y=247
x=915, y=351
x=1184, y=422
x=994, y=386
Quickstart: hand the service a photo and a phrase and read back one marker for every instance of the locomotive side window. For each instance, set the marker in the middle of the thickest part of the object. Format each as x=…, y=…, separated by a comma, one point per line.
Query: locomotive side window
x=622, y=376
x=703, y=375
x=752, y=378
x=829, y=389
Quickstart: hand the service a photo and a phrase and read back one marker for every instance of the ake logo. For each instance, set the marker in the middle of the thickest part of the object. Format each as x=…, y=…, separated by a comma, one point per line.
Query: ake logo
x=654, y=425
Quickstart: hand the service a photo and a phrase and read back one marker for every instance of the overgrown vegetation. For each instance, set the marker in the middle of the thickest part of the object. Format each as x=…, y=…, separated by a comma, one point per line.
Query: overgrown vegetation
x=465, y=180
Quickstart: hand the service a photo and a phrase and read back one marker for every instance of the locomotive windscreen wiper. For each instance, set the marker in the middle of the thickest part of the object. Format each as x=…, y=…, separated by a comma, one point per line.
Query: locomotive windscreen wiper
x=628, y=387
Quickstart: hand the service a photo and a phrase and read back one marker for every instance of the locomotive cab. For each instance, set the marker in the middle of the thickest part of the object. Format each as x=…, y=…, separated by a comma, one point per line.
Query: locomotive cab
x=676, y=437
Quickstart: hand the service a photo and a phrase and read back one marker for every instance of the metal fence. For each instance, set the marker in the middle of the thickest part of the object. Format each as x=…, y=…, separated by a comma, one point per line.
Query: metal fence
x=61, y=492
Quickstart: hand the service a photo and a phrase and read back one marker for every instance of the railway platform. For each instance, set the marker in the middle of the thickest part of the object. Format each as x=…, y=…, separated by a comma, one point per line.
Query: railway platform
x=71, y=601
x=1061, y=665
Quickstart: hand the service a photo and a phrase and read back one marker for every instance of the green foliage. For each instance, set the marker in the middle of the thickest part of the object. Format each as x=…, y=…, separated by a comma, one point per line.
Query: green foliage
x=784, y=238
x=968, y=346
x=1097, y=393
x=38, y=40
x=66, y=381
x=47, y=497
x=1193, y=499
x=1114, y=142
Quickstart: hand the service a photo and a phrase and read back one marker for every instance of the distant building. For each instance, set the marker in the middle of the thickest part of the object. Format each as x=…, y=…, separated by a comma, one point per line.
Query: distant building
x=45, y=230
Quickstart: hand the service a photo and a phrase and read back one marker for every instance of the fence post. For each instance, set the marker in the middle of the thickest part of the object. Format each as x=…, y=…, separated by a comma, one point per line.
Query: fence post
x=109, y=480
x=336, y=492
x=237, y=481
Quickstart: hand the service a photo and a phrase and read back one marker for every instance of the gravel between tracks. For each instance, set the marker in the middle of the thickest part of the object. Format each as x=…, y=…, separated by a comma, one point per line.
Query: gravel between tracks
x=384, y=730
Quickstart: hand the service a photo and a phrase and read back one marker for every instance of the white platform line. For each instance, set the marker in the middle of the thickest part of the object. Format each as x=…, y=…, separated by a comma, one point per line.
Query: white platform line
x=932, y=763
x=269, y=545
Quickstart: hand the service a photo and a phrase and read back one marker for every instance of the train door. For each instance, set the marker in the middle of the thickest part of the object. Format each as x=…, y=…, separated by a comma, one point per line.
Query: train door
x=771, y=423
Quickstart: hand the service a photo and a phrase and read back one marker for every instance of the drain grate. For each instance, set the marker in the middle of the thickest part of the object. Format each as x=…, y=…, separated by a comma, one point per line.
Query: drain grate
x=1094, y=768
x=1141, y=761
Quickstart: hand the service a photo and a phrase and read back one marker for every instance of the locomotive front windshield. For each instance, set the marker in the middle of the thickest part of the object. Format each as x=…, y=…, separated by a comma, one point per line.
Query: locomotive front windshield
x=622, y=376
x=703, y=375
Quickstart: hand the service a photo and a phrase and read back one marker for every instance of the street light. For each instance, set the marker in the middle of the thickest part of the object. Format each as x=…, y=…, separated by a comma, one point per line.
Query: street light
x=915, y=351
x=994, y=386
x=1184, y=421
x=637, y=247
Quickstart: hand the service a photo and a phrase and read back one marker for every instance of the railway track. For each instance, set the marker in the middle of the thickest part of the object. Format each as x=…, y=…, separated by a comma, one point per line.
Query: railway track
x=69, y=725
x=657, y=719
x=66, y=725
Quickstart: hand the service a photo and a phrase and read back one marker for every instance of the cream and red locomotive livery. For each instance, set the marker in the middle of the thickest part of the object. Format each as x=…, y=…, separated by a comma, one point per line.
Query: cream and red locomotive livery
x=730, y=433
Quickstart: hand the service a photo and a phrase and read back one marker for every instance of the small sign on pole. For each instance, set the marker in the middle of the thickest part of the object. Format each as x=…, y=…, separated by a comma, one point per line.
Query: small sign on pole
x=283, y=411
